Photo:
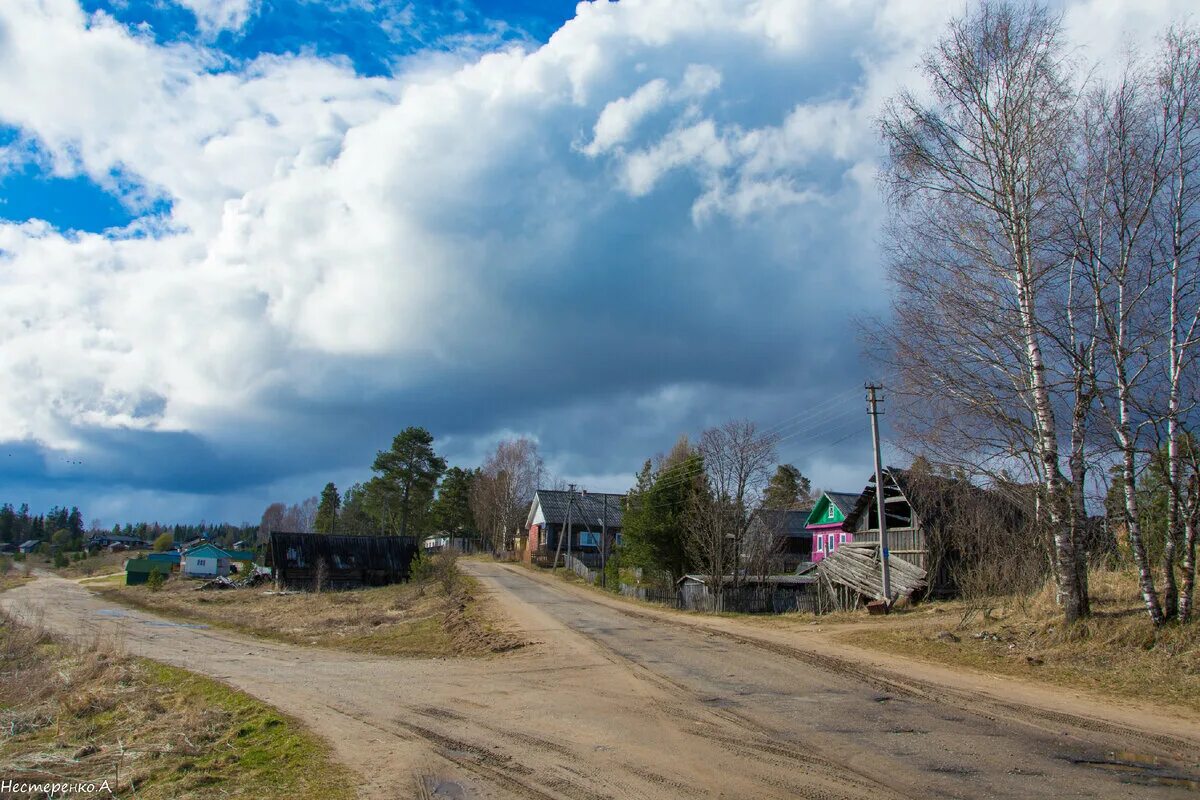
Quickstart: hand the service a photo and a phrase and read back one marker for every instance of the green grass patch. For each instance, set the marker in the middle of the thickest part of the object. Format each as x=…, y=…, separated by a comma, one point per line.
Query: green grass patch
x=89, y=713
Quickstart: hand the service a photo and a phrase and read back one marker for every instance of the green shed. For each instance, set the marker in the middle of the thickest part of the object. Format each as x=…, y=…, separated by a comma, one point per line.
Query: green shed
x=137, y=570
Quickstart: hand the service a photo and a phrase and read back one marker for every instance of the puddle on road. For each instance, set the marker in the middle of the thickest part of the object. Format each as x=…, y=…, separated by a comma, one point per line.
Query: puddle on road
x=154, y=623
x=1140, y=768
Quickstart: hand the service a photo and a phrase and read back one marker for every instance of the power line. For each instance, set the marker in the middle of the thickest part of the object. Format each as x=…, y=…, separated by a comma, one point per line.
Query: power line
x=679, y=478
x=674, y=481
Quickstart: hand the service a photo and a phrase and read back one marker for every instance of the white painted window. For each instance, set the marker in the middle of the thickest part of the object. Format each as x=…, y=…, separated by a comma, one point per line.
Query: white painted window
x=820, y=544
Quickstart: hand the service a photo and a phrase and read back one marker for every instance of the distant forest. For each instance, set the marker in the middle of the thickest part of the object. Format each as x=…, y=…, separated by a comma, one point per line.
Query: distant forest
x=63, y=526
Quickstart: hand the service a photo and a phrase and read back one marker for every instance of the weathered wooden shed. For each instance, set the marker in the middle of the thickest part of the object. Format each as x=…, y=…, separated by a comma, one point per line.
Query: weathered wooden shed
x=299, y=560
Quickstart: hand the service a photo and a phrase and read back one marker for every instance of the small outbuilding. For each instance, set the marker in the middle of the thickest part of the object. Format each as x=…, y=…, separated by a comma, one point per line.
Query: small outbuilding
x=327, y=561
x=138, y=570
x=29, y=546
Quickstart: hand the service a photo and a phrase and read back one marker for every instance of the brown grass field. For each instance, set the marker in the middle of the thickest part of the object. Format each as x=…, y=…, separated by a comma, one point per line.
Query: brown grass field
x=426, y=618
x=88, y=712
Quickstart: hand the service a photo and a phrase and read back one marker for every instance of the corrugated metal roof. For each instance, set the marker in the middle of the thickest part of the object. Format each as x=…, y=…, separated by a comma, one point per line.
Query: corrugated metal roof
x=587, y=508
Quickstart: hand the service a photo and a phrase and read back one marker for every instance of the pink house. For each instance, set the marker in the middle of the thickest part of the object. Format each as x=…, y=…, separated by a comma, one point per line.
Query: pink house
x=825, y=523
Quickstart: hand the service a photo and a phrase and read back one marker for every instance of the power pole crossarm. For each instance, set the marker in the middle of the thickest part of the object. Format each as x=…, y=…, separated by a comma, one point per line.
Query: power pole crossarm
x=884, y=568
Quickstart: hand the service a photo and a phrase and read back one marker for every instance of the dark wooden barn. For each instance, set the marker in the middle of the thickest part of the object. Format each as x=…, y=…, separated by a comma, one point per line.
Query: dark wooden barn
x=301, y=560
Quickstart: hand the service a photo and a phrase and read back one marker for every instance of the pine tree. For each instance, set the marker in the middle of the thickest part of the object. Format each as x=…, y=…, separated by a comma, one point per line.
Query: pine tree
x=327, y=511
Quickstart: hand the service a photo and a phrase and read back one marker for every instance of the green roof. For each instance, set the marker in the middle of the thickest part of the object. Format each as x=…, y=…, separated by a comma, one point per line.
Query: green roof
x=145, y=565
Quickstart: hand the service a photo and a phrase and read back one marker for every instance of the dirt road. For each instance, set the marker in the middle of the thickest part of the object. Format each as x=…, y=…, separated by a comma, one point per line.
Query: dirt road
x=613, y=702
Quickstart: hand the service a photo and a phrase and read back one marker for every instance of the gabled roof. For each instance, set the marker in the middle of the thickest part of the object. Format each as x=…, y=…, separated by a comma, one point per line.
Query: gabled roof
x=208, y=546
x=929, y=496
x=842, y=502
x=845, y=501
x=587, y=508
x=787, y=522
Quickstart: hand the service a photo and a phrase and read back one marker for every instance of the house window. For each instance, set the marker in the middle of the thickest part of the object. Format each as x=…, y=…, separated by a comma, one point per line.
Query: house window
x=831, y=512
x=200, y=562
x=820, y=544
x=842, y=538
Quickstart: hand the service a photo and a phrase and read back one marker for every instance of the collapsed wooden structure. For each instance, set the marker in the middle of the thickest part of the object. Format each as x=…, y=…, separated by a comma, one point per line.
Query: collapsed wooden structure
x=855, y=571
x=324, y=561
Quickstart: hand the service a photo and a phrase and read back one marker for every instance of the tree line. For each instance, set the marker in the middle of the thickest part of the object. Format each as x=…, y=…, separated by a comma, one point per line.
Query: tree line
x=63, y=527
x=1044, y=249
x=413, y=492
x=693, y=510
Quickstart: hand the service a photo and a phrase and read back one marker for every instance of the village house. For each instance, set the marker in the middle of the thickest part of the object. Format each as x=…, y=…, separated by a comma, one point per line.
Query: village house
x=29, y=546
x=790, y=542
x=115, y=542
x=206, y=561
x=326, y=561
x=595, y=525
x=825, y=523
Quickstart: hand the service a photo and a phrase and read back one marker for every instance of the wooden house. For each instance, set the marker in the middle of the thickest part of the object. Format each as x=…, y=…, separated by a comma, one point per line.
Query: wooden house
x=595, y=525
x=825, y=523
x=205, y=561
x=929, y=521
x=792, y=542
x=306, y=560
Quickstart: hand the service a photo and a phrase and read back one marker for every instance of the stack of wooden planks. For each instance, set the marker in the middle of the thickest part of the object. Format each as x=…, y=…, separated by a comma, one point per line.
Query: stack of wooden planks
x=856, y=566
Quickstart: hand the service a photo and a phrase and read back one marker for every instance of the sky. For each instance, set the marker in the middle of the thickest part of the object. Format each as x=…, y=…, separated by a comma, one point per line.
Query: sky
x=245, y=242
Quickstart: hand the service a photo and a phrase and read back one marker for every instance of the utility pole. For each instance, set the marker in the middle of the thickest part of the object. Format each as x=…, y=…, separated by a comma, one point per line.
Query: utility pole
x=604, y=544
x=570, y=499
x=885, y=570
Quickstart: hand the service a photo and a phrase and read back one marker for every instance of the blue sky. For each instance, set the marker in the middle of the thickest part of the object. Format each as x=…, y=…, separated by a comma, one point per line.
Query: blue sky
x=244, y=242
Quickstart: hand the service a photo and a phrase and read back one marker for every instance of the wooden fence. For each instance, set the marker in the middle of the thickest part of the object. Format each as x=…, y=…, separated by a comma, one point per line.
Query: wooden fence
x=580, y=568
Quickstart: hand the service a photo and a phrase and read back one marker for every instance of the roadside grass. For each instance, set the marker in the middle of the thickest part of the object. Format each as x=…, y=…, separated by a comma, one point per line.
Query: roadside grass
x=1116, y=652
x=420, y=619
x=98, y=564
x=88, y=712
x=12, y=580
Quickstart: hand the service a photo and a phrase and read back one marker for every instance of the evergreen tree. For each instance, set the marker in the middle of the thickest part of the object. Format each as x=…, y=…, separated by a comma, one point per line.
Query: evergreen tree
x=452, y=508
x=407, y=476
x=788, y=488
x=653, y=526
x=327, y=510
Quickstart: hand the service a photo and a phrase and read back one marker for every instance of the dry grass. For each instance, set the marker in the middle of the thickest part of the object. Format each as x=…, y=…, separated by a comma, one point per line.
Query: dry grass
x=1117, y=652
x=14, y=579
x=88, y=712
x=425, y=618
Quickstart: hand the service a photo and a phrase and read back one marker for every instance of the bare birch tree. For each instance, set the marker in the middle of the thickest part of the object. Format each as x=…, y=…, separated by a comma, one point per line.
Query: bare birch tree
x=501, y=495
x=1178, y=83
x=975, y=181
x=738, y=460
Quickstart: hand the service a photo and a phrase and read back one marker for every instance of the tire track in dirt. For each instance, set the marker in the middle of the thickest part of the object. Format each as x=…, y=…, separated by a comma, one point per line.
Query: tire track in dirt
x=986, y=706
